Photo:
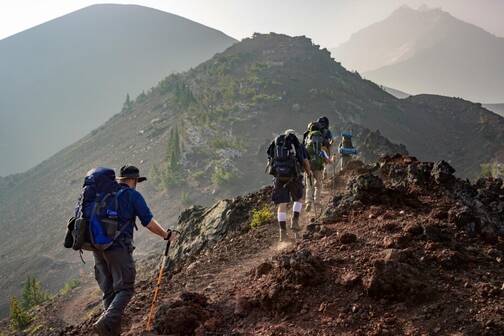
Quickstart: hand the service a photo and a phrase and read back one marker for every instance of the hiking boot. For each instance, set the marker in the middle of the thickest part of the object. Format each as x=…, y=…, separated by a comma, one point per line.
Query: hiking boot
x=295, y=223
x=103, y=329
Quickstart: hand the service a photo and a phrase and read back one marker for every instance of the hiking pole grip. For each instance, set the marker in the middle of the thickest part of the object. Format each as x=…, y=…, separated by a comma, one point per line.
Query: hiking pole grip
x=168, y=243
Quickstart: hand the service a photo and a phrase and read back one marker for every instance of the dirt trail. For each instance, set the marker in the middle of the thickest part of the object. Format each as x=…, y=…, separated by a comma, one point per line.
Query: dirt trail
x=219, y=272
x=86, y=296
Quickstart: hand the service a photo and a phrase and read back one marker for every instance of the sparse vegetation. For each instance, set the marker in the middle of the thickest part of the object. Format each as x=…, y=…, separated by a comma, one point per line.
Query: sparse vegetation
x=222, y=176
x=494, y=169
x=261, y=217
x=141, y=98
x=182, y=93
x=33, y=293
x=173, y=174
x=226, y=142
x=69, y=285
x=128, y=104
x=18, y=317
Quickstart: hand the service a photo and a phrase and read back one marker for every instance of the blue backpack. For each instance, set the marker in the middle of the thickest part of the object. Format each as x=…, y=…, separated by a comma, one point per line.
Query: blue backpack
x=96, y=224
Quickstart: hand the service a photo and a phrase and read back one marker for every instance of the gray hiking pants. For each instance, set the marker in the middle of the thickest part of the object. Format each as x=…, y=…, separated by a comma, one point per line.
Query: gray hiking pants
x=344, y=161
x=314, y=192
x=115, y=273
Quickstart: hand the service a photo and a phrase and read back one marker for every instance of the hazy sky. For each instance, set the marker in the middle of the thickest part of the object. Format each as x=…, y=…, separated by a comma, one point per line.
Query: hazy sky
x=328, y=22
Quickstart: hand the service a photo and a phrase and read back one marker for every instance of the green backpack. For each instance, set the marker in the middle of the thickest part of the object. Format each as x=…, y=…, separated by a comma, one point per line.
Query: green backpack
x=314, y=142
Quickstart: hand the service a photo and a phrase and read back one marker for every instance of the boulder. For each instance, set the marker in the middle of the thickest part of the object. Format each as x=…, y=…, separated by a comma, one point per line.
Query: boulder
x=442, y=172
x=366, y=187
x=182, y=317
x=395, y=280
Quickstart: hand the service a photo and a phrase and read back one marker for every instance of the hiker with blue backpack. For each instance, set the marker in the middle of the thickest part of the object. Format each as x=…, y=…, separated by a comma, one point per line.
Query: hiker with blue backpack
x=346, y=149
x=103, y=223
x=287, y=159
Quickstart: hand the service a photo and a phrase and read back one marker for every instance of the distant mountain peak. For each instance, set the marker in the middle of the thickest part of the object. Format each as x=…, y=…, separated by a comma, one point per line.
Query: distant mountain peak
x=411, y=47
x=422, y=10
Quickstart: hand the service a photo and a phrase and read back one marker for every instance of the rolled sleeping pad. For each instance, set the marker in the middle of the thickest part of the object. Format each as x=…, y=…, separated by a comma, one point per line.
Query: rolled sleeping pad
x=323, y=154
x=347, y=151
x=346, y=134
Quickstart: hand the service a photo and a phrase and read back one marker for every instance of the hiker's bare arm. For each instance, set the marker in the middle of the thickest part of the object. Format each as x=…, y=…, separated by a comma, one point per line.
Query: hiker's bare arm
x=155, y=228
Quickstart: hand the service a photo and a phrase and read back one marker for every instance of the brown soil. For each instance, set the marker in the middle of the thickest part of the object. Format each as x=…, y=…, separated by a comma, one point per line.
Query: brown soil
x=390, y=262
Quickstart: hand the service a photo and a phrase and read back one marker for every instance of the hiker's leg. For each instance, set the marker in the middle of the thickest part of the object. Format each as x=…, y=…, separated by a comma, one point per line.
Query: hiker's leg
x=296, y=213
x=296, y=189
x=309, y=192
x=104, y=278
x=281, y=197
x=318, y=177
x=282, y=220
x=344, y=161
x=122, y=267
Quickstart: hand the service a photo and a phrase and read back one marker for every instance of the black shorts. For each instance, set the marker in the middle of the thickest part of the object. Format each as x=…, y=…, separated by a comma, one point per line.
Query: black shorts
x=288, y=191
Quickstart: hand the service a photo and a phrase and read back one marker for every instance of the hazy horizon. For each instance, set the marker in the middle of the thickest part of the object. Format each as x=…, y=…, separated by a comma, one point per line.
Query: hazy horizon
x=328, y=22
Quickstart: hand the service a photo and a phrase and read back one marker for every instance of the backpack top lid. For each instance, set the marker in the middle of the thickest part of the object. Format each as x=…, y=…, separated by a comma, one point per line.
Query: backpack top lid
x=323, y=122
x=281, y=140
x=346, y=134
x=102, y=179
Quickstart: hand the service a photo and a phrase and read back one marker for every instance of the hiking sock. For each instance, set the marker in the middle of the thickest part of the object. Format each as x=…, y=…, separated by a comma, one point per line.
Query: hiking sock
x=297, y=207
x=282, y=217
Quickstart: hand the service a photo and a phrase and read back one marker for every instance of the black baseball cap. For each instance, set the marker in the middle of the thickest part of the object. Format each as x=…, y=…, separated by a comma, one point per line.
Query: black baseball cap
x=130, y=172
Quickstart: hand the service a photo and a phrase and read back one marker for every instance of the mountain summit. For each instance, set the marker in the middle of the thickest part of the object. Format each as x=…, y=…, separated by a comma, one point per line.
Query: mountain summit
x=428, y=51
x=62, y=79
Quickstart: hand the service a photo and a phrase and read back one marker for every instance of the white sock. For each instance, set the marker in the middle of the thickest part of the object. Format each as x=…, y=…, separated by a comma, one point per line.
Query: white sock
x=297, y=206
x=282, y=216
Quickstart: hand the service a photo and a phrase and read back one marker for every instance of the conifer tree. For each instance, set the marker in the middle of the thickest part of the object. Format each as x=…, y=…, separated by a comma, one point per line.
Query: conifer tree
x=19, y=318
x=33, y=294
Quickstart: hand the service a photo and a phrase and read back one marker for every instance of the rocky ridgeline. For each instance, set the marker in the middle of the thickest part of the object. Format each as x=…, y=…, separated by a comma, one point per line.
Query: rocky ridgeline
x=405, y=248
x=476, y=208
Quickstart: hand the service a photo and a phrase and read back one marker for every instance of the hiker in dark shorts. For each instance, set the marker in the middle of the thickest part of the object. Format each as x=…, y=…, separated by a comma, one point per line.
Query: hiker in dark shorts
x=114, y=267
x=287, y=158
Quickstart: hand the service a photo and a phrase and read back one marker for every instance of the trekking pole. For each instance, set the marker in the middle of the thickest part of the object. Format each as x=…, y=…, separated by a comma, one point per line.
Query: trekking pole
x=150, y=316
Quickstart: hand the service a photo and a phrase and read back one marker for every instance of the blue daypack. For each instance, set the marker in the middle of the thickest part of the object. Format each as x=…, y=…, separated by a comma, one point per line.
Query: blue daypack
x=96, y=225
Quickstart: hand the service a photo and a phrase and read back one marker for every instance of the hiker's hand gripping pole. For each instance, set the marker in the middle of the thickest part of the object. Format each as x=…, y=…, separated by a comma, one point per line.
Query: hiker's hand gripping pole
x=150, y=317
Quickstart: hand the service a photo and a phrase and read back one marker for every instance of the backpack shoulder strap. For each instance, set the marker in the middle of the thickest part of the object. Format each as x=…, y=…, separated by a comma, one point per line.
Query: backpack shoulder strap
x=119, y=193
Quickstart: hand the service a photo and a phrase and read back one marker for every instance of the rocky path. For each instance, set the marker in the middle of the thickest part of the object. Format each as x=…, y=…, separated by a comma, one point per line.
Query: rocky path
x=219, y=272
x=392, y=255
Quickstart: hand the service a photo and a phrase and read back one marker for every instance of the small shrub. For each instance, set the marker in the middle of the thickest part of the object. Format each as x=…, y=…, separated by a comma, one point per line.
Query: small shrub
x=69, y=285
x=222, y=177
x=33, y=294
x=261, y=217
x=18, y=317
